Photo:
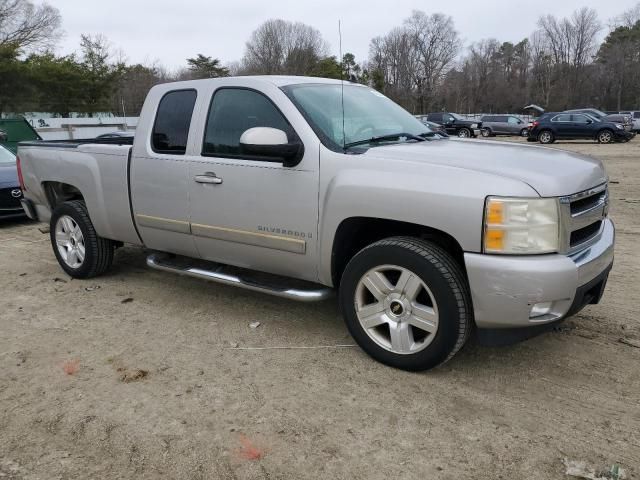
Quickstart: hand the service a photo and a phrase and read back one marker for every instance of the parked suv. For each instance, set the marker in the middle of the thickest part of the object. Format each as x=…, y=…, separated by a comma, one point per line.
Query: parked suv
x=454, y=124
x=493, y=125
x=569, y=126
x=625, y=120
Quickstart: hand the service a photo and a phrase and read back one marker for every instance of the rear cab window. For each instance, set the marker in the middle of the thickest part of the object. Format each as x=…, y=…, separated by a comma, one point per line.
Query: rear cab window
x=173, y=121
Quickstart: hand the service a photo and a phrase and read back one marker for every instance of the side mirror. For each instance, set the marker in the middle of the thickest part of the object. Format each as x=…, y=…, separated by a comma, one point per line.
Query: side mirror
x=589, y=121
x=272, y=143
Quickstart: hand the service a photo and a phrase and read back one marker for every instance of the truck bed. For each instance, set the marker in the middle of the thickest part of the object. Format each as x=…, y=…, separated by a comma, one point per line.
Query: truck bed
x=98, y=168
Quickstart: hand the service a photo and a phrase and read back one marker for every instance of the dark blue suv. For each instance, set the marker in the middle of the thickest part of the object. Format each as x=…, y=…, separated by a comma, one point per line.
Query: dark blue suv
x=571, y=126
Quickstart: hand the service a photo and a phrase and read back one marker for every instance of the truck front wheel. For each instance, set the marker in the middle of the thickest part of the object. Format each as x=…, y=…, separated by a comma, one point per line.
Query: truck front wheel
x=79, y=250
x=406, y=302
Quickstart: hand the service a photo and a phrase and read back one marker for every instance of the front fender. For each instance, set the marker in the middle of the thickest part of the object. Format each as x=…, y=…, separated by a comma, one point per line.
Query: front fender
x=443, y=198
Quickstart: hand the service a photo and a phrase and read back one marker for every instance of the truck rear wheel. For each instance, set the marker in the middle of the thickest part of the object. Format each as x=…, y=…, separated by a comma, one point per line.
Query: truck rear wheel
x=406, y=302
x=80, y=251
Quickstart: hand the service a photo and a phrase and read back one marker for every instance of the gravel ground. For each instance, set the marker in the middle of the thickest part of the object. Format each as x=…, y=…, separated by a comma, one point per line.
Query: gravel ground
x=142, y=374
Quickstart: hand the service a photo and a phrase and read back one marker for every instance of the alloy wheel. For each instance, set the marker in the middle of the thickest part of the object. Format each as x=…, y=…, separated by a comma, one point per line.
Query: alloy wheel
x=545, y=137
x=396, y=309
x=70, y=241
x=605, y=137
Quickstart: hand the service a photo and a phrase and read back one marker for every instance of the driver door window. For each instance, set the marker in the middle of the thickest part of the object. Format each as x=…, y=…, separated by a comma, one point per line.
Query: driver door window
x=232, y=112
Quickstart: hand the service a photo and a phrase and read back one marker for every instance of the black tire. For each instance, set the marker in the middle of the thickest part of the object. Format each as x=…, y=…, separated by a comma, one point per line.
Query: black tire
x=524, y=132
x=443, y=276
x=605, y=136
x=98, y=251
x=464, y=133
x=486, y=132
x=546, y=139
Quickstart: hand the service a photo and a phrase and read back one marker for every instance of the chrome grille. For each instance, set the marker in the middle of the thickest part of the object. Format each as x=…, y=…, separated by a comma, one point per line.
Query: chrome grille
x=581, y=217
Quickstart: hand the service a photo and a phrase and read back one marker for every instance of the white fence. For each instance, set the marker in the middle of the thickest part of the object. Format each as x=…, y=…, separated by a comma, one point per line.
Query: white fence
x=78, y=128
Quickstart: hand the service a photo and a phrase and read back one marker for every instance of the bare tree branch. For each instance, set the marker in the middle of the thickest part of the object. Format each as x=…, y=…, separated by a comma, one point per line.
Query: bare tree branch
x=26, y=26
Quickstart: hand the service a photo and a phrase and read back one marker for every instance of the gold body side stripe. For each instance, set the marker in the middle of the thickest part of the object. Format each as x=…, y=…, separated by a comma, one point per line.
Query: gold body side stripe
x=275, y=242
x=163, y=223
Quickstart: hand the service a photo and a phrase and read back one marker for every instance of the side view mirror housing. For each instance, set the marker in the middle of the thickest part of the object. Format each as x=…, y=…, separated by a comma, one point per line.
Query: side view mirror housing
x=589, y=121
x=273, y=144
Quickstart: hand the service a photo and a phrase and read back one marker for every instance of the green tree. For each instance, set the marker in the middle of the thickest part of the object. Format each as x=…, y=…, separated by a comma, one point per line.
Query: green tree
x=377, y=80
x=350, y=68
x=60, y=84
x=101, y=75
x=327, y=67
x=14, y=87
x=206, y=67
x=619, y=56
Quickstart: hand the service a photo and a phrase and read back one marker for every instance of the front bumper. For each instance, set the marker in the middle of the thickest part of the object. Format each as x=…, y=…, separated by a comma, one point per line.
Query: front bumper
x=623, y=135
x=504, y=289
x=6, y=213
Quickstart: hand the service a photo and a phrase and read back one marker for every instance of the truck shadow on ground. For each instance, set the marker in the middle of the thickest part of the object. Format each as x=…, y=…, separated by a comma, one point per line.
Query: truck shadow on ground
x=299, y=324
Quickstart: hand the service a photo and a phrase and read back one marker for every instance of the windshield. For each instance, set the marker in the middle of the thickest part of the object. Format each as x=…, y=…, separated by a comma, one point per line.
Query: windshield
x=6, y=157
x=367, y=114
x=456, y=116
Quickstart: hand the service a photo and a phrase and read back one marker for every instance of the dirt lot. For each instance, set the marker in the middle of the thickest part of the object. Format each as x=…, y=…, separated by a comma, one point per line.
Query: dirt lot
x=141, y=374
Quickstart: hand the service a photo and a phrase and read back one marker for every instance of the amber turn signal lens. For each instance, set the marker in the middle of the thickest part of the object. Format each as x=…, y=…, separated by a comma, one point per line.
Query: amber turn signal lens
x=494, y=240
x=495, y=213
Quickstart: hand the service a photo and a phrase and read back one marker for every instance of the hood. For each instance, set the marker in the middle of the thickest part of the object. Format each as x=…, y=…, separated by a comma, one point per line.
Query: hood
x=8, y=176
x=617, y=118
x=550, y=172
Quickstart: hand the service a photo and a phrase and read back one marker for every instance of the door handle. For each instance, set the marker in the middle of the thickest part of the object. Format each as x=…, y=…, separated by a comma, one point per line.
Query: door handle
x=208, y=178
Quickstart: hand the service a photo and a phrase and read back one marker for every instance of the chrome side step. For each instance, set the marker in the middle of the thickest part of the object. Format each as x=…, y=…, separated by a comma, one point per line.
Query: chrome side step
x=227, y=275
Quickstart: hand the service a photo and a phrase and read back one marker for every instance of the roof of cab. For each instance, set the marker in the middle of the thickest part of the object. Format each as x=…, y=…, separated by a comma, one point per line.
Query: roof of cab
x=282, y=80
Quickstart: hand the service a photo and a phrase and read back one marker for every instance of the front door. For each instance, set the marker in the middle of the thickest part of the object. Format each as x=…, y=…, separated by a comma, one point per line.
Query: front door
x=249, y=211
x=582, y=126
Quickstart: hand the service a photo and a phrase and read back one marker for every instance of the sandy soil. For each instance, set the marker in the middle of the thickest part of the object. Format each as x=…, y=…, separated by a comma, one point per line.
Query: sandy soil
x=141, y=374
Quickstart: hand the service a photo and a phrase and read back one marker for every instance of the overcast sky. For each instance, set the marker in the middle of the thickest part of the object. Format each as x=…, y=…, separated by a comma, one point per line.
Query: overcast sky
x=172, y=30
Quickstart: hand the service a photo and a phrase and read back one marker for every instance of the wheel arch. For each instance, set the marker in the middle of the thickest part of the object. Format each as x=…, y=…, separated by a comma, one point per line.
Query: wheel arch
x=59, y=192
x=355, y=233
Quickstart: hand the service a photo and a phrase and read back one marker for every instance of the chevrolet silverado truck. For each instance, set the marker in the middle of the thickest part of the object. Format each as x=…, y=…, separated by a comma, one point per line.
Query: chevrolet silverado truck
x=299, y=187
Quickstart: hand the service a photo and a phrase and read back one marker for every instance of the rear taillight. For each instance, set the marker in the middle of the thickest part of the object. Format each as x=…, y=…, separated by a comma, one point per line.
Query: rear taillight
x=535, y=124
x=20, y=178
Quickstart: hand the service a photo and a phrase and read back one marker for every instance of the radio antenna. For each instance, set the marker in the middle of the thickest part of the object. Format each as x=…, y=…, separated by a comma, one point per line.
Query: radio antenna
x=344, y=138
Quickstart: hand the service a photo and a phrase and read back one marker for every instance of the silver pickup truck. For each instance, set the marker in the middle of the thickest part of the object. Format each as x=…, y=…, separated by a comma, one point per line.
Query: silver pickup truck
x=298, y=186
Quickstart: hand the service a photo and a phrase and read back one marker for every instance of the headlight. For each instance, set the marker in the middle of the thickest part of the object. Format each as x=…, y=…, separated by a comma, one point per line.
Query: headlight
x=621, y=127
x=474, y=125
x=521, y=225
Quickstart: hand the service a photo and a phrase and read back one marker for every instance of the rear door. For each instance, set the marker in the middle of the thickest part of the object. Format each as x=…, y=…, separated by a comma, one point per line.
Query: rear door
x=514, y=125
x=160, y=175
x=500, y=125
x=562, y=126
x=258, y=214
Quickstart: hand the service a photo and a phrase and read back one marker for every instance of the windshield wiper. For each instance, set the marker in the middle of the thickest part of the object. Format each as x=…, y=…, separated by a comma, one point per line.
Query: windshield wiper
x=382, y=138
